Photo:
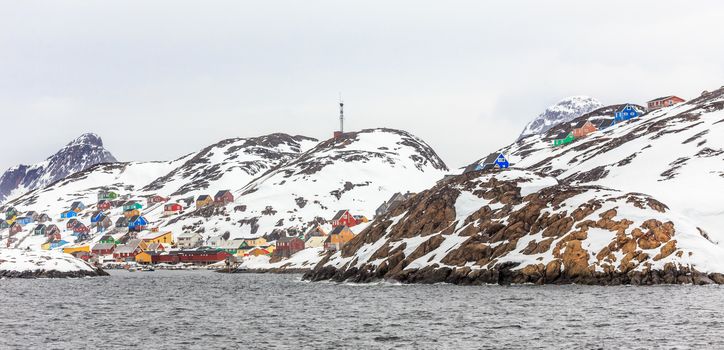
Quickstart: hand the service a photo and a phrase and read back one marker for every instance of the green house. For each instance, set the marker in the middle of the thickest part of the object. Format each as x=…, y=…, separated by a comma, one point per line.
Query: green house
x=131, y=205
x=563, y=139
x=107, y=195
x=108, y=239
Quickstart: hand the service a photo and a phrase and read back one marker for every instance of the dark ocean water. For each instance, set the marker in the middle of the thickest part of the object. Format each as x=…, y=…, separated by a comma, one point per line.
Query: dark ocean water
x=206, y=310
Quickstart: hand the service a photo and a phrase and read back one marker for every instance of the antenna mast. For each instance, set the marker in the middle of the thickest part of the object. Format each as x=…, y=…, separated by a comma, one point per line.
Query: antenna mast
x=341, y=114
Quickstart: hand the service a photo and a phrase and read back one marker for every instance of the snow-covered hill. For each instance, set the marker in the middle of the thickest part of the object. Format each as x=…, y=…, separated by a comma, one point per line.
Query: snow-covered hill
x=565, y=110
x=638, y=202
x=520, y=227
x=80, y=154
x=280, y=182
x=357, y=172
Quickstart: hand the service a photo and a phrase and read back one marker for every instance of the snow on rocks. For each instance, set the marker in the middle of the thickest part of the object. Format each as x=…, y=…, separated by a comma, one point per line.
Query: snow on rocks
x=28, y=264
x=482, y=228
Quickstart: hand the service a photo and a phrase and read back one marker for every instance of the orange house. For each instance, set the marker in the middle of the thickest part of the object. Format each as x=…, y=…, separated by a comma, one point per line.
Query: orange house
x=131, y=213
x=583, y=128
x=338, y=238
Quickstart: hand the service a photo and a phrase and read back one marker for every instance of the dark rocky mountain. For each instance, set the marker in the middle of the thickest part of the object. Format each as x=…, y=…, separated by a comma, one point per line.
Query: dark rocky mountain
x=564, y=111
x=80, y=154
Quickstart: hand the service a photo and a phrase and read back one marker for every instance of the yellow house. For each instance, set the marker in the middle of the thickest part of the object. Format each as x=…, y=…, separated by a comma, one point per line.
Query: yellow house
x=166, y=237
x=204, y=200
x=131, y=213
x=143, y=258
x=71, y=250
x=338, y=238
x=45, y=246
x=255, y=242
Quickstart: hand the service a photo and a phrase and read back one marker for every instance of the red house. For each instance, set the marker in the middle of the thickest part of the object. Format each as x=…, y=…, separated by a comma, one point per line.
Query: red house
x=52, y=230
x=15, y=228
x=223, y=198
x=105, y=205
x=344, y=218
x=172, y=208
x=71, y=223
x=80, y=228
x=202, y=257
x=288, y=246
x=103, y=249
x=662, y=102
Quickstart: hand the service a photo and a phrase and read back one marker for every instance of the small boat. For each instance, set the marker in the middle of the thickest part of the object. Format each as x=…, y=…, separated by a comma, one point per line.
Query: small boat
x=147, y=269
x=132, y=269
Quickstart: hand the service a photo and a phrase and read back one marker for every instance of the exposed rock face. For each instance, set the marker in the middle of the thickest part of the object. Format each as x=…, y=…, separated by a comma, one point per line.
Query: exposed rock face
x=80, y=154
x=565, y=110
x=518, y=227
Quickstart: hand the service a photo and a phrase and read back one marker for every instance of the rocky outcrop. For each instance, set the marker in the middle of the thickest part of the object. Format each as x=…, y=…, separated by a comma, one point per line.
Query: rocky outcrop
x=52, y=273
x=510, y=227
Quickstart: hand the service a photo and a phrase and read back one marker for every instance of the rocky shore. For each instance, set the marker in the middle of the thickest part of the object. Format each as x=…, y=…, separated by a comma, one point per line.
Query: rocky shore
x=19, y=263
x=519, y=227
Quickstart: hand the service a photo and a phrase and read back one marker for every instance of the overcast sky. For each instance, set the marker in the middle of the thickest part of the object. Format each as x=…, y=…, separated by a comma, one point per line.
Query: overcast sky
x=159, y=79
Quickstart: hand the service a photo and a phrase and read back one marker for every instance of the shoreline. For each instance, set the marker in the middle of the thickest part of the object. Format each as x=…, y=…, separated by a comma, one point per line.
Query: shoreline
x=31, y=274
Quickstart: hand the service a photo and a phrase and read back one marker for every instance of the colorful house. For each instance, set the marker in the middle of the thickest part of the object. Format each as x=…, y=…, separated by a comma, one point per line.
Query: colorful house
x=43, y=218
x=107, y=239
x=172, y=208
x=105, y=204
x=122, y=222
x=77, y=206
x=627, y=112
x=132, y=205
x=71, y=223
x=52, y=230
x=583, y=128
x=76, y=248
x=45, y=246
x=343, y=218
x=223, y=198
x=315, y=242
x=203, y=201
x=156, y=247
x=288, y=246
x=662, y=102
x=15, y=228
x=33, y=215
x=103, y=225
x=338, y=238
x=39, y=230
x=68, y=214
x=492, y=161
x=189, y=240
x=4, y=224
x=155, y=199
x=137, y=223
x=57, y=244
x=166, y=237
x=24, y=220
x=131, y=213
x=563, y=139
x=315, y=231
x=255, y=242
x=232, y=246
x=10, y=213
x=107, y=195
x=103, y=248
x=97, y=217
x=144, y=257
x=258, y=251
x=128, y=251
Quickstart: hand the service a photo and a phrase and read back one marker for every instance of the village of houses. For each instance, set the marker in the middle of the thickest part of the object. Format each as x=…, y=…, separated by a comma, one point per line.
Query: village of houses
x=89, y=231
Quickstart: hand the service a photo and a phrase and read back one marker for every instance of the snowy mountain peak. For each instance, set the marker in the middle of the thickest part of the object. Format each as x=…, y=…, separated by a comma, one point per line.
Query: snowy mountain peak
x=83, y=152
x=89, y=138
x=565, y=110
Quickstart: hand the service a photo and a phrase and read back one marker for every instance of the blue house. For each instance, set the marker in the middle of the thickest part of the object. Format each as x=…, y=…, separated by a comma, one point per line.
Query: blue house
x=68, y=214
x=627, y=112
x=58, y=244
x=98, y=217
x=137, y=223
x=493, y=160
x=24, y=220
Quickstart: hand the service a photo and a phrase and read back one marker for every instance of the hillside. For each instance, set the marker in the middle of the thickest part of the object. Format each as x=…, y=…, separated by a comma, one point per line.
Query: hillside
x=279, y=183
x=80, y=154
x=519, y=227
x=634, y=203
x=564, y=111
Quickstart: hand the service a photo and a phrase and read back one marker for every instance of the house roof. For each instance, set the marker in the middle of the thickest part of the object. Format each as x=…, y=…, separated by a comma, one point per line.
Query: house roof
x=490, y=159
x=77, y=204
x=41, y=226
x=580, y=124
x=663, y=98
x=337, y=230
x=317, y=239
x=126, y=248
x=221, y=193
x=563, y=135
x=154, y=246
x=339, y=214
x=203, y=197
x=103, y=246
x=287, y=239
x=312, y=229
